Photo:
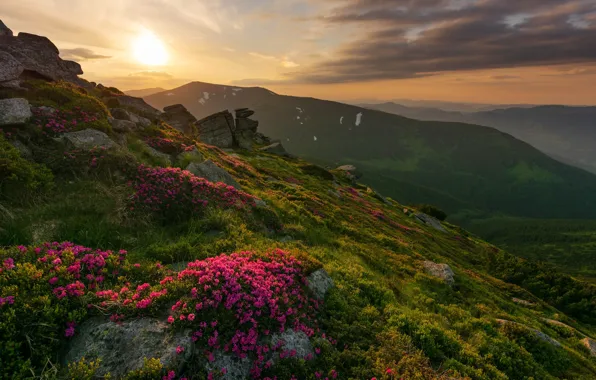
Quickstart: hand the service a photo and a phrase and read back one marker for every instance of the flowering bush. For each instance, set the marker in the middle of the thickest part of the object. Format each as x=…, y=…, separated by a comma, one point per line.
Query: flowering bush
x=168, y=140
x=176, y=193
x=62, y=121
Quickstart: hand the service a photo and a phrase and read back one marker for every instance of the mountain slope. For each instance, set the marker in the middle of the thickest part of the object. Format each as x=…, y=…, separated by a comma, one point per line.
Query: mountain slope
x=144, y=92
x=564, y=132
x=410, y=160
x=160, y=241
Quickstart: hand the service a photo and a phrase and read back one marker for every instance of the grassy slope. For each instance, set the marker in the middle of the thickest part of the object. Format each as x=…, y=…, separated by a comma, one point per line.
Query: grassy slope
x=385, y=311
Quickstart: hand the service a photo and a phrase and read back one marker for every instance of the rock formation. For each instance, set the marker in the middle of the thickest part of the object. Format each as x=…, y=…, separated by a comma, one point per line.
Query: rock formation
x=122, y=114
x=442, y=271
x=276, y=148
x=213, y=173
x=87, y=139
x=14, y=111
x=246, y=128
x=430, y=221
x=178, y=117
x=217, y=130
x=137, y=104
x=319, y=283
x=590, y=345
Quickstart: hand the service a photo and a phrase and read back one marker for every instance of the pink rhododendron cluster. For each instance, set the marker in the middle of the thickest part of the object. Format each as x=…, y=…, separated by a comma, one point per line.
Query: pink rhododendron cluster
x=8, y=300
x=177, y=191
x=61, y=121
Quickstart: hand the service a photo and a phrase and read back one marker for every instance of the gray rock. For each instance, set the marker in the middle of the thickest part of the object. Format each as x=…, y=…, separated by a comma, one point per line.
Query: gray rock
x=442, y=271
x=217, y=130
x=10, y=68
x=213, y=173
x=178, y=117
x=122, y=114
x=319, y=283
x=350, y=171
x=14, y=84
x=246, y=128
x=590, y=345
x=138, y=105
x=236, y=368
x=123, y=347
x=122, y=126
x=523, y=302
x=430, y=221
x=44, y=111
x=4, y=31
x=192, y=155
x=159, y=155
x=14, y=111
x=23, y=149
x=539, y=334
x=261, y=139
x=260, y=203
x=346, y=168
x=87, y=139
x=293, y=340
x=276, y=148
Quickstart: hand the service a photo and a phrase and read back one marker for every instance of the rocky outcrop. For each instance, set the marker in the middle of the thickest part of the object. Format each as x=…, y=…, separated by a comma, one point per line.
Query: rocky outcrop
x=122, y=126
x=276, y=148
x=590, y=345
x=178, y=117
x=217, y=130
x=319, y=282
x=10, y=70
x=87, y=139
x=236, y=368
x=542, y=336
x=350, y=171
x=166, y=158
x=38, y=56
x=123, y=347
x=442, y=271
x=296, y=341
x=191, y=155
x=213, y=173
x=246, y=128
x=430, y=221
x=122, y=114
x=14, y=111
x=137, y=104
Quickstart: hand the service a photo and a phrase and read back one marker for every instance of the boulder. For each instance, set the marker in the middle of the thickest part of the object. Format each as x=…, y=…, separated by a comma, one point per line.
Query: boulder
x=293, y=340
x=137, y=104
x=122, y=114
x=350, y=171
x=442, y=271
x=123, y=347
x=319, y=282
x=178, y=117
x=217, y=130
x=193, y=155
x=122, y=126
x=39, y=57
x=212, y=173
x=87, y=139
x=236, y=368
x=276, y=148
x=523, y=302
x=590, y=345
x=4, y=31
x=159, y=155
x=261, y=139
x=10, y=68
x=430, y=221
x=44, y=111
x=542, y=336
x=246, y=128
x=14, y=111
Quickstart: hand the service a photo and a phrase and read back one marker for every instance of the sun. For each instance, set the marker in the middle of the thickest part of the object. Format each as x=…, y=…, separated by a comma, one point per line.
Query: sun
x=149, y=50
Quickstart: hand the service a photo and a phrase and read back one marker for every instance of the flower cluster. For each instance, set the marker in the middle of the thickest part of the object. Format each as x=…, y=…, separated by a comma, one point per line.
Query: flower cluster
x=62, y=121
x=169, y=140
x=93, y=157
x=9, y=300
x=176, y=192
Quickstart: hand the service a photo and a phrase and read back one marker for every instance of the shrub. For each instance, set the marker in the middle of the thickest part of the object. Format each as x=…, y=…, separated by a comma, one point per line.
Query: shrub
x=432, y=211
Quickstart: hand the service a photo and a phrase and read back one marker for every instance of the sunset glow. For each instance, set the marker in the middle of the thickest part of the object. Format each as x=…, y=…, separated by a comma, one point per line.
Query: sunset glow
x=149, y=50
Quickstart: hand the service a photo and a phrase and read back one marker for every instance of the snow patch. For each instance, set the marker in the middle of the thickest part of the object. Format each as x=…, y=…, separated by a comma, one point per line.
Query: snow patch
x=358, y=118
x=299, y=109
x=297, y=117
x=170, y=94
x=225, y=96
x=206, y=95
x=315, y=138
x=236, y=89
x=341, y=120
x=202, y=101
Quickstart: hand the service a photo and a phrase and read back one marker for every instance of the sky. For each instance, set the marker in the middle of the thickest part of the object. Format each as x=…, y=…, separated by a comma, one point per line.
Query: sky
x=482, y=51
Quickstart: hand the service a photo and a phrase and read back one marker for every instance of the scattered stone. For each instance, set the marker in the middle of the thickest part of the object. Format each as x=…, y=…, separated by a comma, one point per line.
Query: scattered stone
x=590, y=345
x=159, y=155
x=442, y=271
x=178, y=117
x=542, y=336
x=23, y=149
x=122, y=126
x=193, y=155
x=14, y=111
x=123, y=347
x=319, y=282
x=260, y=203
x=217, y=130
x=44, y=110
x=276, y=148
x=430, y=221
x=261, y=139
x=10, y=68
x=236, y=368
x=4, y=31
x=522, y=302
x=293, y=340
x=87, y=139
x=138, y=105
x=122, y=114
x=213, y=173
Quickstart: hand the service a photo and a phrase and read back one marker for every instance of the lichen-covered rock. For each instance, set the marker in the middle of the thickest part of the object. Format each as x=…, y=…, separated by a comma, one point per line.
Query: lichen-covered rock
x=236, y=368
x=137, y=104
x=179, y=118
x=246, y=128
x=87, y=139
x=442, y=271
x=159, y=155
x=10, y=68
x=213, y=173
x=122, y=126
x=217, y=130
x=122, y=114
x=523, y=302
x=123, y=347
x=192, y=155
x=44, y=111
x=275, y=148
x=291, y=340
x=590, y=345
x=542, y=336
x=14, y=111
x=319, y=282
x=430, y=221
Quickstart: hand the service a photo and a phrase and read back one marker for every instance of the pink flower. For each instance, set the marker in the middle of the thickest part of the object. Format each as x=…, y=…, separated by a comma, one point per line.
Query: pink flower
x=70, y=330
x=53, y=280
x=191, y=317
x=179, y=350
x=170, y=319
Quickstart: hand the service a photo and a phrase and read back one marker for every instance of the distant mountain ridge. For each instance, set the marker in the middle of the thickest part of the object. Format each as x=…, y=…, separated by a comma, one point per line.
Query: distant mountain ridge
x=457, y=166
x=144, y=92
x=567, y=133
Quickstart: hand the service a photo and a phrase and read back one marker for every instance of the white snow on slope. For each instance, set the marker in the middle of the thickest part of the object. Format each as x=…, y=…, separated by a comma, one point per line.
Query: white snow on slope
x=299, y=109
x=358, y=118
x=315, y=138
x=206, y=95
x=341, y=120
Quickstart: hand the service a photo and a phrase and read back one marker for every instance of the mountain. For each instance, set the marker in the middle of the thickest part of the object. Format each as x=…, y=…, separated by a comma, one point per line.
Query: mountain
x=564, y=132
x=115, y=260
x=454, y=165
x=144, y=92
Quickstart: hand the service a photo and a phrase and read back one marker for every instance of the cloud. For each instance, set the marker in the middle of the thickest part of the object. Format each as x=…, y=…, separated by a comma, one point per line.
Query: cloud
x=284, y=62
x=81, y=54
x=411, y=39
x=504, y=77
x=261, y=82
x=152, y=75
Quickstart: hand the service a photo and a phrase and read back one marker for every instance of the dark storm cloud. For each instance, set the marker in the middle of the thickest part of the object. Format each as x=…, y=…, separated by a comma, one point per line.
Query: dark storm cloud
x=408, y=39
x=81, y=54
